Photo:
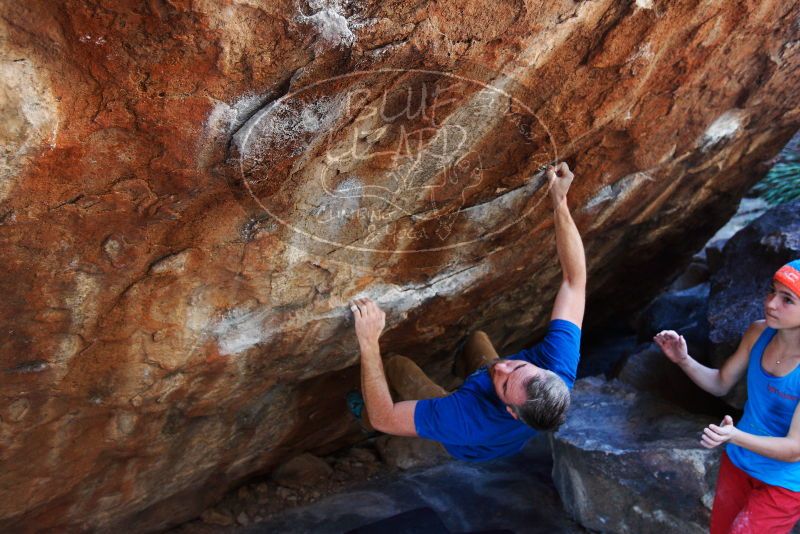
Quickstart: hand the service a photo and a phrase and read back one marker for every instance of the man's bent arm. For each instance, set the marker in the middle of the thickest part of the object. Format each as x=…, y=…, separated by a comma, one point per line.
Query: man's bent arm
x=384, y=414
x=571, y=298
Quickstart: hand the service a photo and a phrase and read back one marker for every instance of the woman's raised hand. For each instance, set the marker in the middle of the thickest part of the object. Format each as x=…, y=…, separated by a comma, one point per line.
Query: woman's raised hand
x=672, y=345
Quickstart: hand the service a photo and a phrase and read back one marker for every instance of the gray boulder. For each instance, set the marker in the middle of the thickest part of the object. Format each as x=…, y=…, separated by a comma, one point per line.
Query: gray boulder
x=409, y=453
x=626, y=461
x=683, y=310
x=647, y=369
x=305, y=470
x=749, y=259
x=695, y=274
x=739, y=284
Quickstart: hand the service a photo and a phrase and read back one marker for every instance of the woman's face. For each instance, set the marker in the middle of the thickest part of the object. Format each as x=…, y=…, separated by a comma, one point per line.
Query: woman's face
x=782, y=307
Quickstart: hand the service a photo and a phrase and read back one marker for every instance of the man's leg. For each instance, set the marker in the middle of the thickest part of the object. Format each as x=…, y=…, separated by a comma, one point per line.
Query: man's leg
x=478, y=351
x=409, y=381
x=733, y=489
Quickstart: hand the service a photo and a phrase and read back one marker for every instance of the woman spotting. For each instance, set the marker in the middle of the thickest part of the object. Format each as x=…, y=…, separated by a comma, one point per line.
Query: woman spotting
x=758, y=489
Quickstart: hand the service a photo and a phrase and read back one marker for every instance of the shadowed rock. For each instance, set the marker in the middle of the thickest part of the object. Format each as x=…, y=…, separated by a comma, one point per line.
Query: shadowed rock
x=190, y=193
x=301, y=471
x=407, y=453
x=626, y=461
x=648, y=370
x=738, y=287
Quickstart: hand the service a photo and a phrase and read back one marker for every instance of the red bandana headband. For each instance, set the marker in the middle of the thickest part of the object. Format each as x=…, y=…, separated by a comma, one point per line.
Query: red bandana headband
x=789, y=275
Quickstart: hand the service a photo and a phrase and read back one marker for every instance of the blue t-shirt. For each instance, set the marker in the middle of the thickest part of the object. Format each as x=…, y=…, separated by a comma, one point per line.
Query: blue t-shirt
x=472, y=423
x=770, y=406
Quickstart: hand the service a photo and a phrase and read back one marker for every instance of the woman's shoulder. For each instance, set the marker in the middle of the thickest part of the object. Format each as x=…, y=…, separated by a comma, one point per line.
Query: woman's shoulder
x=755, y=330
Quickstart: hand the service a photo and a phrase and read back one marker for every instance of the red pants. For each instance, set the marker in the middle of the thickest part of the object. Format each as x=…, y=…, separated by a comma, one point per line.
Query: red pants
x=745, y=505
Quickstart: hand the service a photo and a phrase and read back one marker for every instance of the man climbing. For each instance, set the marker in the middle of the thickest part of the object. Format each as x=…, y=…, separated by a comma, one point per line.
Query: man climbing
x=502, y=404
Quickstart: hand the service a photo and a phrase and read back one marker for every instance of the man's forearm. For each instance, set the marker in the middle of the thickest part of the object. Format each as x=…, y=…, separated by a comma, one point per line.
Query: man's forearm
x=373, y=384
x=569, y=246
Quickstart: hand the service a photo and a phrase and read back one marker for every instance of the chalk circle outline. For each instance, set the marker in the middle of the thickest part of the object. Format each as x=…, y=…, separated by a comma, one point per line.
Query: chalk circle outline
x=287, y=224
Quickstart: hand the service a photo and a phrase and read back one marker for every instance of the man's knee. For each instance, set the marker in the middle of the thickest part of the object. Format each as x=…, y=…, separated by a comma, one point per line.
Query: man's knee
x=397, y=366
x=479, y=334
x=479, y=337
x=409, y=381
x=478, y=351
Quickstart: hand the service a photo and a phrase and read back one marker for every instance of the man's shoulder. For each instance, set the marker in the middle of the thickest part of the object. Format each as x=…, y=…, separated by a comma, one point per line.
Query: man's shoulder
x=463, y=417
x=557, y=351
x=564, y=325
x=560, y=332
x=475, y=386
x=478, y=383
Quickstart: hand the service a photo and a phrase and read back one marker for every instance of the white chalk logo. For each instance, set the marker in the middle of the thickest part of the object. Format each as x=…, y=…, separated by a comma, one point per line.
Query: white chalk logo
x=789, y=273
x=391, y=161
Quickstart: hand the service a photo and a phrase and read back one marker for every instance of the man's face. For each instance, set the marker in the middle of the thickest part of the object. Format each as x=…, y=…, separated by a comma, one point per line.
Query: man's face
x=509, y=378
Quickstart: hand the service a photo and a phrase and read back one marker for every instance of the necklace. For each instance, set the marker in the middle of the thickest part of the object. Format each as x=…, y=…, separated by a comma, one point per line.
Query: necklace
x=778, y=361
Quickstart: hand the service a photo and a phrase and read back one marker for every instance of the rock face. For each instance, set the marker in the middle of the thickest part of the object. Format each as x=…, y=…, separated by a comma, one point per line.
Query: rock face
x=301, y=471
x=649, y=370
x=408, y=453
x=190, y=193
x=628, y=462
x=738, y=286
x=683, y=310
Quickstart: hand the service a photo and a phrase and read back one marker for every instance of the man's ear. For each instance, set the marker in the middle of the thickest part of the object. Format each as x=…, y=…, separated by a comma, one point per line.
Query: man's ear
x=512, y=412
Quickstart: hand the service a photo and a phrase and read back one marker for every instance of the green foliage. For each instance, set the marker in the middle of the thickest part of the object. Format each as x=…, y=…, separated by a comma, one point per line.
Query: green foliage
x=782, y=182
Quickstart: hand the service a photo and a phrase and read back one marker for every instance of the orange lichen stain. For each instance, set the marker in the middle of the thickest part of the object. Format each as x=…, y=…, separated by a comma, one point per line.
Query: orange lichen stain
x=365, y=281
x=213, y=355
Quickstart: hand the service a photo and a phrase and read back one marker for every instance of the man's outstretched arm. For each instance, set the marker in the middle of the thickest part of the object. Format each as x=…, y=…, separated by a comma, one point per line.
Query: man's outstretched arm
x=571, y=298
x=385, y=415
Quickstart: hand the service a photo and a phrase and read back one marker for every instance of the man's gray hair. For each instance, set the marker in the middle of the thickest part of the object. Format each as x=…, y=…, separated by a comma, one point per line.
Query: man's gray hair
x=547, y=402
